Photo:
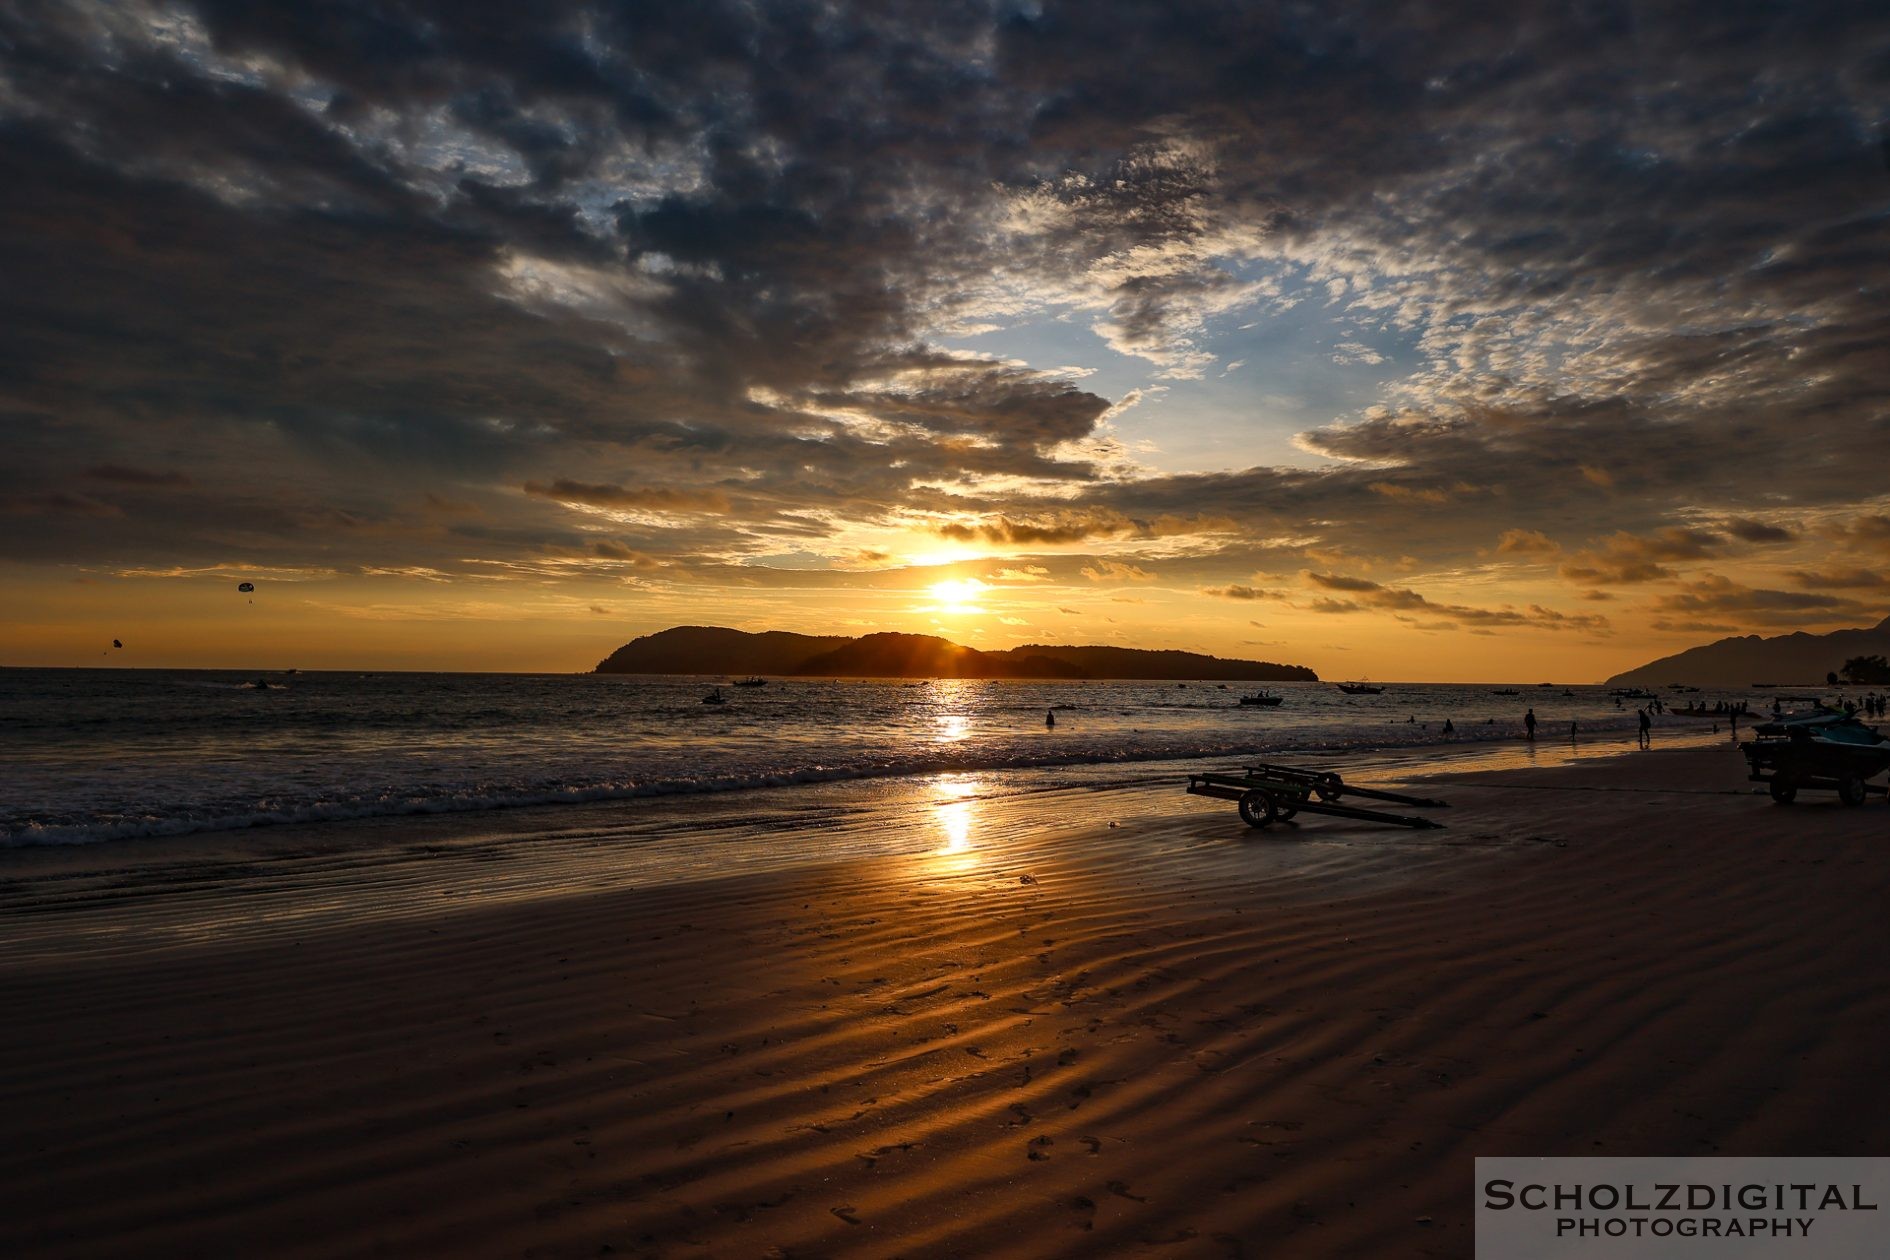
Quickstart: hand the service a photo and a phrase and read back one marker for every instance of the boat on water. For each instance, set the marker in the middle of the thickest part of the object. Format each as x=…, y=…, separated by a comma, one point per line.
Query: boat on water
x=1506, y=691
x=715, y=697
x=1360, y=688
x=1262, y=697
x=751, y=682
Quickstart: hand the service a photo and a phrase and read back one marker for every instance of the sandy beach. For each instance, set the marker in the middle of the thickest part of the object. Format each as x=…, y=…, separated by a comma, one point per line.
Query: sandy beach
x=1082, y=1021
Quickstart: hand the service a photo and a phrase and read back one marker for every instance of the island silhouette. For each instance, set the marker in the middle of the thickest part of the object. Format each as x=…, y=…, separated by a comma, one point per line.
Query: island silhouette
x=720, y=650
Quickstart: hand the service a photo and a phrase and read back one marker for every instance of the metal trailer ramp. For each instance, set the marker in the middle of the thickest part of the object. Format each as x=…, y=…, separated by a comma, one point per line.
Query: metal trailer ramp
x=1269, y=792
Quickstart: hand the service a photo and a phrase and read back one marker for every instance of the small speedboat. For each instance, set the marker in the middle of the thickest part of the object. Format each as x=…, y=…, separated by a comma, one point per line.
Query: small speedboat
x=715, y=697
x=1360, y=688
x=1266, y=698
x=752, y=682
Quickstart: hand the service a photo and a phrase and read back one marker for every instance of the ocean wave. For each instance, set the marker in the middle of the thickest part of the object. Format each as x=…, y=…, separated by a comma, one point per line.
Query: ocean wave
x=234, y=812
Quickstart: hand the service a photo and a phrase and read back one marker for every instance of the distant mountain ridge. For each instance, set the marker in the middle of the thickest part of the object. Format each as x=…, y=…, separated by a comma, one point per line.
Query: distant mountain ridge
x=719, y=650
x=1742, y=661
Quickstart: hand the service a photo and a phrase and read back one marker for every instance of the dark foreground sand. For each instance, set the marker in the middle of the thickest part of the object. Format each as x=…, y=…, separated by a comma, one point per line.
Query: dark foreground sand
x=1029, y=1033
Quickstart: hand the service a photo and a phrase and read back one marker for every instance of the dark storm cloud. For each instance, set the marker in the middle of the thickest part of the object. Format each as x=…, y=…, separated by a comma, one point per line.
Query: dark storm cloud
x=340, y=264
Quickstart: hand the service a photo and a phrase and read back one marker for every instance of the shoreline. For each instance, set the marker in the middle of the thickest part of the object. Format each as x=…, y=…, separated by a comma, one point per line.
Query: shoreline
x=343, y=814
x=528, y=820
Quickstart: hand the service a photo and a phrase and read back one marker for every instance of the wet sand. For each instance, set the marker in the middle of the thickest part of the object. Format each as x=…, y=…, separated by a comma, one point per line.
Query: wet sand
x=1077, y=1022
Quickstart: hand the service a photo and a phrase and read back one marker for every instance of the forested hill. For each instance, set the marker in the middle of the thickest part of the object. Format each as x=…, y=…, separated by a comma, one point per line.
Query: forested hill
x=717, y=650
x=1739, y=662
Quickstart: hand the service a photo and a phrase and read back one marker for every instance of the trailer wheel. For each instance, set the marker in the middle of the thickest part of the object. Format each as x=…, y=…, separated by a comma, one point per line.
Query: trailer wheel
x=1783, y=789
x=1283, y=811
x=1851, y=789
x=1328, y=786
x=1257, y=808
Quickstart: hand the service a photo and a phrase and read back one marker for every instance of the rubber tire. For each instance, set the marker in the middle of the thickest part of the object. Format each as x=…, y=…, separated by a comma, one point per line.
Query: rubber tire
x=1851, y=789
x=1257, y=808
x=1784, y=791
x=1327, y=786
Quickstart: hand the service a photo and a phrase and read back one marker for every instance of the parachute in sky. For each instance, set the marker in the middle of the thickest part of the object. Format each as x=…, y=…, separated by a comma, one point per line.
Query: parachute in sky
x=246, y=587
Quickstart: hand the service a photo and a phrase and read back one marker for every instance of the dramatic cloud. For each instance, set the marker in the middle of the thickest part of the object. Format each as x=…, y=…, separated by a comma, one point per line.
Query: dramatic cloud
x=1840, y=579
x=1751, y=531
x=1526, y=542
x=1398, y=600
x=1714, y=594
x=655, y=498
x=1625, y=558
x=769, y=295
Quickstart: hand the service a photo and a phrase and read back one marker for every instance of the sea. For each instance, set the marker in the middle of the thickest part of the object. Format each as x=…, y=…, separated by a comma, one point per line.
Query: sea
x=95, y=756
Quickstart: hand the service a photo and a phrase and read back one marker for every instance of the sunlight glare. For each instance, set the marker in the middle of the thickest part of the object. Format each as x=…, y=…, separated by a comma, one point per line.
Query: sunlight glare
x=956, y=813
x=958, y=595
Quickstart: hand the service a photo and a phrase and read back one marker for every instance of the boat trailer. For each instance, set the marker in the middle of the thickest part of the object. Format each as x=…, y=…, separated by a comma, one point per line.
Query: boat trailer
x=1269, y=792
x=1829, y=751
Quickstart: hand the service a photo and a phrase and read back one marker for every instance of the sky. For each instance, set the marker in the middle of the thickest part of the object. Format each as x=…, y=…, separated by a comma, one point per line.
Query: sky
x=1410, y=341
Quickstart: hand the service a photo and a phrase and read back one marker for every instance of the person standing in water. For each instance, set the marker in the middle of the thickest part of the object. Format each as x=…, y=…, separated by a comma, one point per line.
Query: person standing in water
x=1049, y=717
x=1647, y=727
x=1529, y=724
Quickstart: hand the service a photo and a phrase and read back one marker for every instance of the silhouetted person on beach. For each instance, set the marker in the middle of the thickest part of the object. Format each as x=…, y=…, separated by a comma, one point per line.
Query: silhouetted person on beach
x=1647, y=727
x=1529, y=724
x=1448, y=728
x=1049, y=717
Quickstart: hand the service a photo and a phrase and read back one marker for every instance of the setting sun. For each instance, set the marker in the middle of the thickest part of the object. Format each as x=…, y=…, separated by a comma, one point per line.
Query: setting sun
x=958, y=595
